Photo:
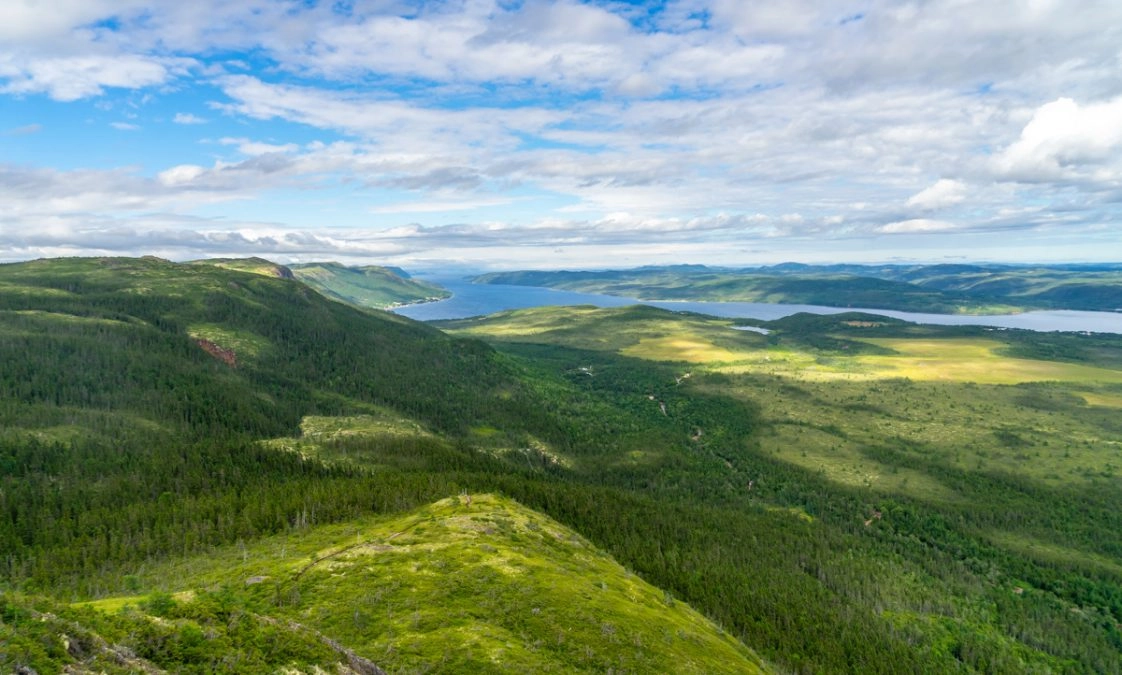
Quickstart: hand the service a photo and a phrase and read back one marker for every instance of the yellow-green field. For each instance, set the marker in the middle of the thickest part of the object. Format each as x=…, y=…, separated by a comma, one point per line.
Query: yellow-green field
x=1102, y=399
x=959, y=401
x=946, y=360
x=974, y=360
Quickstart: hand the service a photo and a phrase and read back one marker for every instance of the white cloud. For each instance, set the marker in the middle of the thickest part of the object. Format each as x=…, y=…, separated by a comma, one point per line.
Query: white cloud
x=625, y=120
x=181, y=175
x=918, y=225
x=1065, y=140
x=30, y=22
x=945, y=192
x=75, y=77
x=254, y=148
x=124, y=126
x=440, y=206
x=187, y=118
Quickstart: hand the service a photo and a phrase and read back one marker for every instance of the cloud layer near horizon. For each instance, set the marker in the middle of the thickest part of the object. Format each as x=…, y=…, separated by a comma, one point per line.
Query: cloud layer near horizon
x=562, y=133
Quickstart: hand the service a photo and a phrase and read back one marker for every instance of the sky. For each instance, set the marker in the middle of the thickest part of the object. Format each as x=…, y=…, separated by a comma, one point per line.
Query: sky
x=510, y=134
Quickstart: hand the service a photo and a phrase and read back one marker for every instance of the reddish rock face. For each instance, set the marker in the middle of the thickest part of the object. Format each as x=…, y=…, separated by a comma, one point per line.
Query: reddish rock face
x=224, y=355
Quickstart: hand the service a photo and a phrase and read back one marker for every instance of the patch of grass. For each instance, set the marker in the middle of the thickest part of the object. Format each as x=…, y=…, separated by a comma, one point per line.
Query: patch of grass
x=1102, y=399
x=242, y=342
x=1051, y=552
x=841, y=460
x=386, y=423
x=975, y=360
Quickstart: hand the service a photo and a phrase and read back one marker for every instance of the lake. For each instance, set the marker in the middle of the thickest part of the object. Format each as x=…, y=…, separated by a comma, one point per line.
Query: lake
x=476, y=299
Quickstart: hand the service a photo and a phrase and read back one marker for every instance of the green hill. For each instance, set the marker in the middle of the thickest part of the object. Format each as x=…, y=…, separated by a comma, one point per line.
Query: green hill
x=132, y=390
x=370, y=286
x=469, y=584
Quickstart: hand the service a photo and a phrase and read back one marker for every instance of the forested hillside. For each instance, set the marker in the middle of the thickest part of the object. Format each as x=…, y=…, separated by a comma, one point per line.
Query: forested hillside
x=207, y=448
x=133, y=392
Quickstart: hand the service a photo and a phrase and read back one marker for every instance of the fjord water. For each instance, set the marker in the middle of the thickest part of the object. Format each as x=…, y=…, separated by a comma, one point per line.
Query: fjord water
x=470, y=299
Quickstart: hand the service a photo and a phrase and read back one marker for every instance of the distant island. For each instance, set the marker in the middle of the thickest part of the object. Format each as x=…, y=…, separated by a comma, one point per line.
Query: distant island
x=937, y=289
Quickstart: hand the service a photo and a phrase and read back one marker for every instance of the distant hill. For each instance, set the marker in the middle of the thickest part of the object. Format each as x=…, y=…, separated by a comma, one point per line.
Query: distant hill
x=948, y=289
x=370, y=286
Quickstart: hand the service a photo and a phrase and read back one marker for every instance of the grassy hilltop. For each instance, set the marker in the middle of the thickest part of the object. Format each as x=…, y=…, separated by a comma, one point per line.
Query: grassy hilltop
x=207, y=469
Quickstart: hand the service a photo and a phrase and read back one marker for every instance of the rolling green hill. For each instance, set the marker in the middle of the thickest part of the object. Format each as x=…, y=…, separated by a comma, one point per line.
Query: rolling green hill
x=843, y=494
x=469, y=584
x=370, y=286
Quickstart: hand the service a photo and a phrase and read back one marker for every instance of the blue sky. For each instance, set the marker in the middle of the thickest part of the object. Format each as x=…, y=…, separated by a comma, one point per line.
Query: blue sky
x=500, y=134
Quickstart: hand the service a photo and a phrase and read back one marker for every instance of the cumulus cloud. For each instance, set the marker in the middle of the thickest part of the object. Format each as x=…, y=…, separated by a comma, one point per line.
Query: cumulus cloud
x=1066, y=140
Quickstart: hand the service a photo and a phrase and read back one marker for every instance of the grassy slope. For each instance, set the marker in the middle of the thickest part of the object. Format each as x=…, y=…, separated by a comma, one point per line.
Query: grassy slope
x=370, y=286
x=210, y=634
x=477, y=584
x=260, y=266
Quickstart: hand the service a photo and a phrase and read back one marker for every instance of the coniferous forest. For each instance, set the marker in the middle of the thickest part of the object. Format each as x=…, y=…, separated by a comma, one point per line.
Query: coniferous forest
x=191, y=456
